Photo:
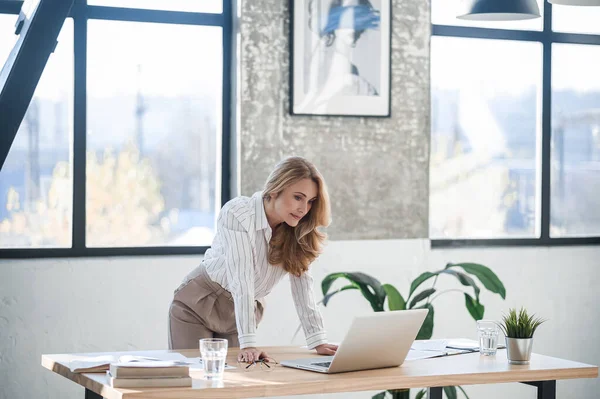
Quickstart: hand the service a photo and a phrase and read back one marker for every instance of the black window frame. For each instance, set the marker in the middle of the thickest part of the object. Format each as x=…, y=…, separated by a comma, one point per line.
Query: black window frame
x=80, y=13
x=547, y=38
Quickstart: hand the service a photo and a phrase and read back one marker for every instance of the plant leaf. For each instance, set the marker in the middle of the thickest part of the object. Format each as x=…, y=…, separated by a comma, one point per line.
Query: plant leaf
x=380, y=395
x=400, y=393
x=421, y=394
x=463, y=391
x=418, y=281
x=426, y=330
x=464, y=280
x=475, y=308
x=369, y=286
x=450, y=392
x=395, y=299
x=420, y=296
x=487, y=277
x=521, y=325
x=327, y=297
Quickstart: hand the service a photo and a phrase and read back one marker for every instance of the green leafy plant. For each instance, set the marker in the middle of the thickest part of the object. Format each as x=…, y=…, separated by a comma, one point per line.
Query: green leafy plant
x=520, y=325
x=379, y=294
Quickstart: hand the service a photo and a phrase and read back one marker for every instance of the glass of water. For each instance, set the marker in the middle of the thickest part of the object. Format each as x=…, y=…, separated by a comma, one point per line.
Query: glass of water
x=488, y=337
x=214, y=355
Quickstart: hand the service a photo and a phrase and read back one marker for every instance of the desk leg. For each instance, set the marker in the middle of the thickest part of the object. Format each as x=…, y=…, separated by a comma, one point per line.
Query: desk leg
x=546, y=389
x=91, y=395
x=435, y=392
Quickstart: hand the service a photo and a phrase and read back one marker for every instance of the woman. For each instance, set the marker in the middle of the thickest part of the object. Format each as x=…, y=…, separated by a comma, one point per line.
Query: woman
x=259, y=240
x=333, y=71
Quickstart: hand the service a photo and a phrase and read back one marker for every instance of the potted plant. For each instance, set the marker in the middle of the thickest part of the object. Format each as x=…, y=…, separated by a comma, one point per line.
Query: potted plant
x=379, y=295
x=518, y=329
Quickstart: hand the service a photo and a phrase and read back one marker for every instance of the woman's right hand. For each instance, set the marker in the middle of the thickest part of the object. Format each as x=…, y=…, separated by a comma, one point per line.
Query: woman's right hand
x=252, y=354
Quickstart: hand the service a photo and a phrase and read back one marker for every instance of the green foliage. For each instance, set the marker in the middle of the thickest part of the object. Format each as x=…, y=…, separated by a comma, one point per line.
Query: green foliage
x=426, y=330
x=421, y=394
x=395, y=299
x=450, y=392
x=520, y=325
x=377, y=293
x=393, y=394
x=369, y=286
x=476, y=309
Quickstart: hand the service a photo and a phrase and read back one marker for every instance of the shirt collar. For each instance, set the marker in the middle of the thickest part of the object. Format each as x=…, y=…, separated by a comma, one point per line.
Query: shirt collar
x=261, y=216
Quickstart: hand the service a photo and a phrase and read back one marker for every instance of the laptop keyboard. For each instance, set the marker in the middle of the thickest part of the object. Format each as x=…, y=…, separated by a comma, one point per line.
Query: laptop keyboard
x=324, y=364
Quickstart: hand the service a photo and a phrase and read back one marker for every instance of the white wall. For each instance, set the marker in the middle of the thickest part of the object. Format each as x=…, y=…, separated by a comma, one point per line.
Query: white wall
x=104, y=304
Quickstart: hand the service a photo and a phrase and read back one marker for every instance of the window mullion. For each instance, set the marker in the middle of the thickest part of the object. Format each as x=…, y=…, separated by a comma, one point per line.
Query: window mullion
x=79, y=128
x=546, y=123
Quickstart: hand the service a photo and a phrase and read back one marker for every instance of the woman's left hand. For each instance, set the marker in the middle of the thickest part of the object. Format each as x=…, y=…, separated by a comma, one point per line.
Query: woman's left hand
x=326, y=349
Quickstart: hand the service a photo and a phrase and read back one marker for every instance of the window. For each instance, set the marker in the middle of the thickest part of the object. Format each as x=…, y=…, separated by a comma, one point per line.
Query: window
x=124, y=147
x=36, y=180
x=515, y=129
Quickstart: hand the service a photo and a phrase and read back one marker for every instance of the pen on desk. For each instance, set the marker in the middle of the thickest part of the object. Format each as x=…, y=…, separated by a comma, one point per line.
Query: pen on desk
x=463, y=349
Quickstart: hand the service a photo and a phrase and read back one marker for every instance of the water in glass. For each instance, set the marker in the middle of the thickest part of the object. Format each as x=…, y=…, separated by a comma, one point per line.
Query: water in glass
x=488, y=337
x=214, y=365
x=214, y=354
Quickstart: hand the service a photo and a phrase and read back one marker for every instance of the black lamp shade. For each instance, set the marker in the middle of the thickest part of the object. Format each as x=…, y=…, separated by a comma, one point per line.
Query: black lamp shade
x=500, y=10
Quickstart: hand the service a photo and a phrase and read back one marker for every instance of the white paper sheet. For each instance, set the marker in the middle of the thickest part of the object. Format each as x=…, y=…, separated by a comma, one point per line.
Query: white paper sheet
x=438, y=345
x=417, y=355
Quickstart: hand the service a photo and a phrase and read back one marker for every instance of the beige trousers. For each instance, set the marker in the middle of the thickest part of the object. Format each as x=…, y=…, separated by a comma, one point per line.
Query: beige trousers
x=201, y=308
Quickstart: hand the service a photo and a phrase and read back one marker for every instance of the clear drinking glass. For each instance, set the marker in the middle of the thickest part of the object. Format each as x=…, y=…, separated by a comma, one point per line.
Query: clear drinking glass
x=488, y=337
x=214, y=355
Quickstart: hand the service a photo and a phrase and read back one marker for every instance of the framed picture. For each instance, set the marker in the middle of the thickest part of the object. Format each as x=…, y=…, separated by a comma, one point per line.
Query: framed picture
x=340, y=57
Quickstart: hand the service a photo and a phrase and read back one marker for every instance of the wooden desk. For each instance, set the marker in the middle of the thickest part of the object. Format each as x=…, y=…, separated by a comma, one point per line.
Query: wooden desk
x=434, y=373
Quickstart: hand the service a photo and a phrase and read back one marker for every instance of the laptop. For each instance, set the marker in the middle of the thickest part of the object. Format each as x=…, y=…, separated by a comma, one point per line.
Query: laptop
x=378, y=340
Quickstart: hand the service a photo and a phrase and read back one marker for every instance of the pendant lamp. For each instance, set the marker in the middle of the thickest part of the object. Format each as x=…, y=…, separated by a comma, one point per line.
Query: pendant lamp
x=501, y=10
x=575, y=2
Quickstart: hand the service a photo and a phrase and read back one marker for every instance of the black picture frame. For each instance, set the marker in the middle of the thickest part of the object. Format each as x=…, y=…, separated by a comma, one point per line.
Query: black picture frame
x=340, y=58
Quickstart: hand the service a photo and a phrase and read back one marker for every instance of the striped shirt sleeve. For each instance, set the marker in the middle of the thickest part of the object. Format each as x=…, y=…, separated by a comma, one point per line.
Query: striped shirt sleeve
x=239, y=266
x=308, y=312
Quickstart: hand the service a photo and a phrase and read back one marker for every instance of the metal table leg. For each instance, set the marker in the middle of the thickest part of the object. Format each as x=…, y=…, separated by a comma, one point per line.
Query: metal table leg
x=91, y=395
x=435, y=393
x=546, y=389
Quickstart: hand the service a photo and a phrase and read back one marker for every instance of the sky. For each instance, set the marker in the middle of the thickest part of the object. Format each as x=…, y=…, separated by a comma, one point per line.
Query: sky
x=175, y=60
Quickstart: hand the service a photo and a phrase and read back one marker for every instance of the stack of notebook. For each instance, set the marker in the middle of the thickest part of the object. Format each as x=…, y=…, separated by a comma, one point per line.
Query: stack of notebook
x=149, y=374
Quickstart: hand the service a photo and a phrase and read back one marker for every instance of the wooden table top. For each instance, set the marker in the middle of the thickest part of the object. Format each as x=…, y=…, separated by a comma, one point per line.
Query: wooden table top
x=464, y=369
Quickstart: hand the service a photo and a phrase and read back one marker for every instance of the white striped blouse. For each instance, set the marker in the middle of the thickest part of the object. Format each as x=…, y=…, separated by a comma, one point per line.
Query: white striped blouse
x=238, y=261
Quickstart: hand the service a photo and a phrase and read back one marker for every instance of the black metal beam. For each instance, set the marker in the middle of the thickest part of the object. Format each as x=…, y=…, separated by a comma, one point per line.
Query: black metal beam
x=25, y=64
x=79, y=128
x=227, y=104
x=515, y=242
x=159, y=16
x=10, y=7
x=519, y=35
x=30, y=253
x=485, y=33
x=546, y=178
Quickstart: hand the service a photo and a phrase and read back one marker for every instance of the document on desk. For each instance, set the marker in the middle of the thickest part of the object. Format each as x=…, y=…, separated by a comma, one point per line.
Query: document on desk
x=414, y=354
x=99, y=364
x=425, y=349
x=438, y=345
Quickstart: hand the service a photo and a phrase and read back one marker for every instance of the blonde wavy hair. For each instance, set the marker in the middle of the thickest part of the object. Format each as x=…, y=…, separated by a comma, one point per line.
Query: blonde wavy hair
x=295, y=248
